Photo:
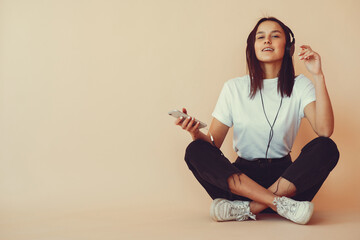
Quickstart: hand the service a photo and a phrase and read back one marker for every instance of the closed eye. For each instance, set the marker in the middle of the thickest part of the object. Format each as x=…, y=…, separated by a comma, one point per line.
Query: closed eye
x=263, y=37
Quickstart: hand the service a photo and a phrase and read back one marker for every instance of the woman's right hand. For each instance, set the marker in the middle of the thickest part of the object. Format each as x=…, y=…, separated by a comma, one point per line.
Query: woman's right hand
x=188, y=124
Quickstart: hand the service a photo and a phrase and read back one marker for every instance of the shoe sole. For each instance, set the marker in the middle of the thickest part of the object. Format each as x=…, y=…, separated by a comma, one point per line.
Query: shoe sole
x=213, y=207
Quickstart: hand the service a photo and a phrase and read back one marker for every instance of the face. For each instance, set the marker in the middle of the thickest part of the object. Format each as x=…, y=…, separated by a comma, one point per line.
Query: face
x=270, y=35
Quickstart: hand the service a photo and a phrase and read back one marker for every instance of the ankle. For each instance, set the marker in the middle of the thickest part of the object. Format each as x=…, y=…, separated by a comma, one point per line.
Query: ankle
x=272, y=205
x=253, y=207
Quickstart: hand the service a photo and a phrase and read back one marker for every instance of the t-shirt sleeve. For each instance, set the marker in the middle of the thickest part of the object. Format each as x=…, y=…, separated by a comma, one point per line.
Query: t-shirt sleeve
x=222, y=111
x=307, y=95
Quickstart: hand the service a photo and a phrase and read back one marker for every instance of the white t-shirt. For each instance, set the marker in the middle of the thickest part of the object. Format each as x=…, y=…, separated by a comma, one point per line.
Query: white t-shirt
x=251, y=129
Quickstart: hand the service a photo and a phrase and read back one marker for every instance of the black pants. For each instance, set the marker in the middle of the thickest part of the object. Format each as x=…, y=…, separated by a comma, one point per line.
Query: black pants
x=308, y=172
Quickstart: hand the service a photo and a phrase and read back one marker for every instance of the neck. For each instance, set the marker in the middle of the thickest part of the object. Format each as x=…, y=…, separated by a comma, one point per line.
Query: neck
x=271, y=70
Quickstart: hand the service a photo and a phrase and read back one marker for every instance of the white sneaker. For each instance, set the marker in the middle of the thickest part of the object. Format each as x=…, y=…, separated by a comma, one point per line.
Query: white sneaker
x=225, y=210
x=297, y=211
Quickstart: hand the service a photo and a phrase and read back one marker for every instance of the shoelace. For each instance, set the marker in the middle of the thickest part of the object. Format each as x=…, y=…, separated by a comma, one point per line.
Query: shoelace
x=241, y=212
x=283, y=207
x=246, y=216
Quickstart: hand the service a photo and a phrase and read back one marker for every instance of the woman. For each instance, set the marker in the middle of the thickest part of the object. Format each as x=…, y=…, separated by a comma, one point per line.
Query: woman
x=265, y=108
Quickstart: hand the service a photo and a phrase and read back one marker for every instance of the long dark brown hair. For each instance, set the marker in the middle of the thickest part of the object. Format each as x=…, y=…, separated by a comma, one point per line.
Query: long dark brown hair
x=286, y=74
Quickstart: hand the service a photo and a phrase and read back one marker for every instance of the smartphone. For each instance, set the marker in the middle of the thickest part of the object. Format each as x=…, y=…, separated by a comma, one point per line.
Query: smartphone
x=177, y=114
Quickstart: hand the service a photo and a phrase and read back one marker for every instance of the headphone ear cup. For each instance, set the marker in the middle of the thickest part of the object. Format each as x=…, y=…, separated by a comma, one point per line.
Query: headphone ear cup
x=291, y=46
x=292, y=49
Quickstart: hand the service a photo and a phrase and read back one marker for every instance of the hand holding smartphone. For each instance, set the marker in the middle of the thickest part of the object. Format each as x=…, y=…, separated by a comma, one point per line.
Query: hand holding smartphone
x=176, y=113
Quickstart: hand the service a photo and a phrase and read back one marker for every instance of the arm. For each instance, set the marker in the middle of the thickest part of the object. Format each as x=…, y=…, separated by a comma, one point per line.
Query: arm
x=217, y=129
x=319, y=113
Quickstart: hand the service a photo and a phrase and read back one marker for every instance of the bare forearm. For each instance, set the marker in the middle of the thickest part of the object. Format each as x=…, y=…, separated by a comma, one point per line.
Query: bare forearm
x=324, y=117
x=201, y=135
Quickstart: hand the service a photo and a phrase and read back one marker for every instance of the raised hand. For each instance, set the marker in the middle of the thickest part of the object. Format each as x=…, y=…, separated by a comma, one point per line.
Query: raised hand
x=311, y=59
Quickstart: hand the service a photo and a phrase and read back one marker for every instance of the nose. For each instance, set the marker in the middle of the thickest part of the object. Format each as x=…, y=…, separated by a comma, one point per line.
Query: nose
x=267, y=41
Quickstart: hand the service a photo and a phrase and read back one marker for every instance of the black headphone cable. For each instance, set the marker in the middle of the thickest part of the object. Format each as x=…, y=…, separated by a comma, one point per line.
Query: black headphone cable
x=271, y=134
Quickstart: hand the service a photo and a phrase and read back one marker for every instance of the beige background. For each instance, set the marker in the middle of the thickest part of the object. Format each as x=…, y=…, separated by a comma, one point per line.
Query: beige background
x=86, y=87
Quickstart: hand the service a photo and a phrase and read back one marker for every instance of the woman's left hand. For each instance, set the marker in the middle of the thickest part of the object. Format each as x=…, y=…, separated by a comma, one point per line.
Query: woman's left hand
x=311, y=59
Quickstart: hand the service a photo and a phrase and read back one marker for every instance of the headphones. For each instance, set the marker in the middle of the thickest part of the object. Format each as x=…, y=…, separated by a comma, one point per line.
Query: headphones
x=271, y=134
x=290, y=46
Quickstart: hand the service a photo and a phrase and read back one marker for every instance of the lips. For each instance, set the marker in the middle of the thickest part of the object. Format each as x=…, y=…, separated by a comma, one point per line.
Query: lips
x=267, y=49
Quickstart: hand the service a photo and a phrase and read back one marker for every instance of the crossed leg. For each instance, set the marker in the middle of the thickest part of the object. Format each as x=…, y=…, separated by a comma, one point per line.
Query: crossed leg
x=263, y=198
x=211, y=169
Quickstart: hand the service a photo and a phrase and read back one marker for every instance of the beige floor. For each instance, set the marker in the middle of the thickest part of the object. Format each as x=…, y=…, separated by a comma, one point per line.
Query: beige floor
x=161, y=223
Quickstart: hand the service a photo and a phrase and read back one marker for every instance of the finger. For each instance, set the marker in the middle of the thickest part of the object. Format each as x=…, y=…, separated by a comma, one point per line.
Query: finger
x=190, y=125
x=308, y=56
x=185, y=122
x=184, y=110
x=195, y=122
x=179, y=120
x=303, y=52
x=304, y=49
x=305, y=46
x=195, y=126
